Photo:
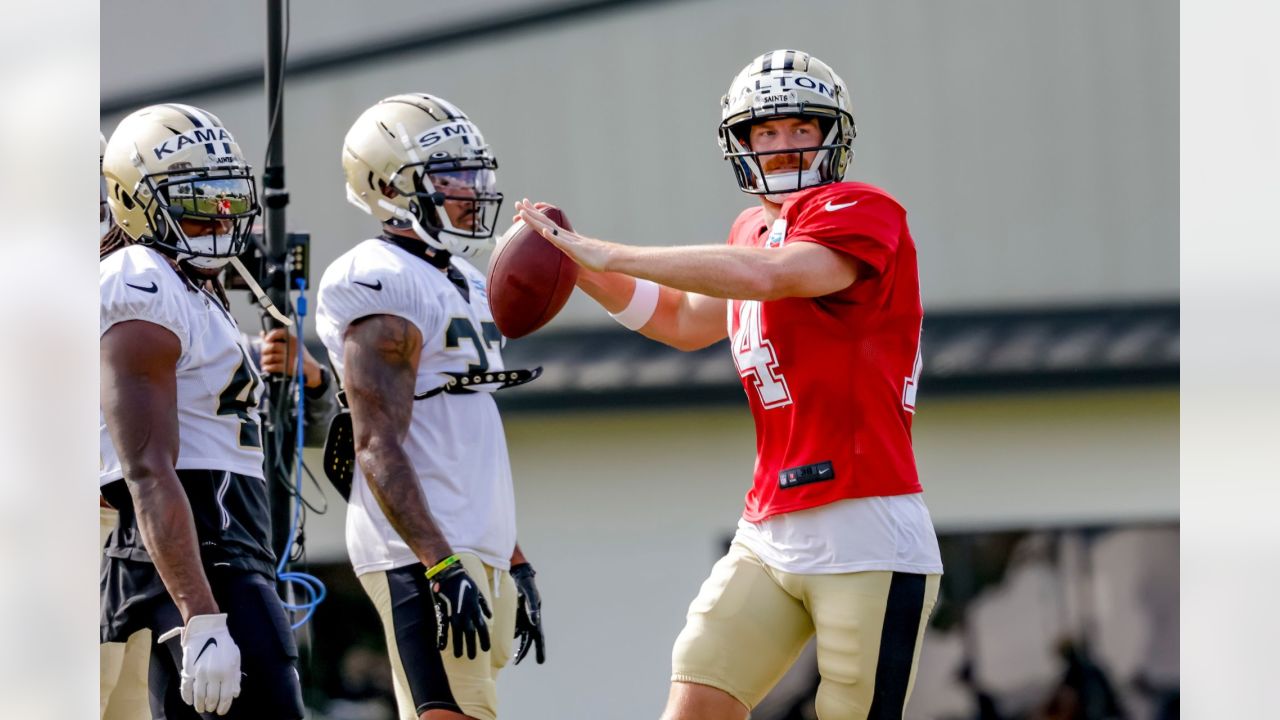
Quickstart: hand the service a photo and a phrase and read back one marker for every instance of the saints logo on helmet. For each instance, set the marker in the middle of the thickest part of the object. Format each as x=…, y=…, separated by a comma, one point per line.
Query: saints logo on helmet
x=176, y=180
x=416, y=161
x=787, y=83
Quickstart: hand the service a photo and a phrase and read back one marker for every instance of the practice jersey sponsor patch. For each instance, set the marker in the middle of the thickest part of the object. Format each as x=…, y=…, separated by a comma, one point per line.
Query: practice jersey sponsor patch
x=805, y=474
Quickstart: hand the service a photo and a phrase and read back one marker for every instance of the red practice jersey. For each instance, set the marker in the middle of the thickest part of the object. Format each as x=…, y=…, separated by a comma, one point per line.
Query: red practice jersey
x=832, y=380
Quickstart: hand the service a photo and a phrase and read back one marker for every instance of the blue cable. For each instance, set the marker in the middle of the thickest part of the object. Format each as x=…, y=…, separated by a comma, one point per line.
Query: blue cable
x=314, y=588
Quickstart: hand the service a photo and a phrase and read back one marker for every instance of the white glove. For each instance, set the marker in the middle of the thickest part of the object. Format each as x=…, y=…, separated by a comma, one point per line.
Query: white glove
x=210, y=664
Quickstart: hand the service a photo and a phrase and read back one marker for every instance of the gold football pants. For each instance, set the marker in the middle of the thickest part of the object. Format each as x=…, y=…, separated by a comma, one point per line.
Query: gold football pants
x=749, y=622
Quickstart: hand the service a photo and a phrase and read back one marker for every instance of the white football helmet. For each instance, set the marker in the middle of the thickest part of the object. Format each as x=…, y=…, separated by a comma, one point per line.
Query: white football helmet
x=787, y=83
x=416, y=161
x=168, y=163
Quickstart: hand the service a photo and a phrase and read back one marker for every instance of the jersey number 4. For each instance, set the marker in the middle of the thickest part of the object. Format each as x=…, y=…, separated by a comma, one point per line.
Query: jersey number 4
x=238, y=397
x=756, y=359
x=911, y=384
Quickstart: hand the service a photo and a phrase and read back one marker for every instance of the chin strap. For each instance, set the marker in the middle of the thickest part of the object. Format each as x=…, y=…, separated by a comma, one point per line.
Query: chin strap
x=258, y=293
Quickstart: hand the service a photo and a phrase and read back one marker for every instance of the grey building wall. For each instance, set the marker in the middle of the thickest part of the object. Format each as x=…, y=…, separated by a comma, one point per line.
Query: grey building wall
x=1033, y=143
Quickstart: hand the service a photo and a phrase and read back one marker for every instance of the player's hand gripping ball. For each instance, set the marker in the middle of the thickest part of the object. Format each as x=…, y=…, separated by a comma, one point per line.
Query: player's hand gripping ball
x=530, y=279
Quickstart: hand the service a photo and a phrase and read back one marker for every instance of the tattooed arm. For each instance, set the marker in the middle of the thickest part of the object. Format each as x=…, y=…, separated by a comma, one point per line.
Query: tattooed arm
x=380, y=354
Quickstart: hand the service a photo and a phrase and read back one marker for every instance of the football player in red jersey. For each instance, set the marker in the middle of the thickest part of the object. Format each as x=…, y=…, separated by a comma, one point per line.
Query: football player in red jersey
x=818, y=292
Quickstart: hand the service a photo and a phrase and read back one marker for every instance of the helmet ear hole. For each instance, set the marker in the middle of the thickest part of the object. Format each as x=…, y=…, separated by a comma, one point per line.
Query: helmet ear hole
x=125, y=198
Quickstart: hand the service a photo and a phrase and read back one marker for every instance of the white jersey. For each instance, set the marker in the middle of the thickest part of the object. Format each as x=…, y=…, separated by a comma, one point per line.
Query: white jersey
x=891, y=532
x=455, y=442
x=218, y=388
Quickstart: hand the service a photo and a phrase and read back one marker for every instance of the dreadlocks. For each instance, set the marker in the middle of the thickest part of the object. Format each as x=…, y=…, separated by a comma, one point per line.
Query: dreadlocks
x=215, y=286
x=115, y=239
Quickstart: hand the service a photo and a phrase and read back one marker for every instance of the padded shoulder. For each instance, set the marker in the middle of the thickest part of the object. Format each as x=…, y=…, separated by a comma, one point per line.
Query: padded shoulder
x=374, y=278
x=137, y=283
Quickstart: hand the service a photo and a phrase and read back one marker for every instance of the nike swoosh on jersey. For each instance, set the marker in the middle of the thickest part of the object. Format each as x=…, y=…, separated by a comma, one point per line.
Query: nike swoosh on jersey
x=371, y=286
x=207, y=643
x=144, y=288
x=833, y=208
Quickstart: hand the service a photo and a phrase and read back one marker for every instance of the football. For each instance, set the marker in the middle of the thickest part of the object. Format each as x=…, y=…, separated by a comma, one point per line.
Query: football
x=530, y=280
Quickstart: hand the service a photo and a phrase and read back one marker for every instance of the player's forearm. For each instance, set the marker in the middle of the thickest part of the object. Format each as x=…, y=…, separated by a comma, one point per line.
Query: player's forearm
x=395, y=486
x=517, y=556
x=673, y=322
x=612, y=290
x=381, y=368
x=169, y=535
x=720, y=271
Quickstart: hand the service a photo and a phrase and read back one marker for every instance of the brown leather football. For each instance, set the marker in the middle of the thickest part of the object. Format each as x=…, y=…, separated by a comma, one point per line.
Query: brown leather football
x=530, y=280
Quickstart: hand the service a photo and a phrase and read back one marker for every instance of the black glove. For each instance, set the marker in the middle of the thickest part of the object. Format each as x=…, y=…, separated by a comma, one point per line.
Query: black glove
x=460, y=605
x=528, y=613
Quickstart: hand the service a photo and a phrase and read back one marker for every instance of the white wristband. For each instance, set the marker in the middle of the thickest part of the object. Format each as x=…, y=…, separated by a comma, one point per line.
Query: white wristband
x=644, y=301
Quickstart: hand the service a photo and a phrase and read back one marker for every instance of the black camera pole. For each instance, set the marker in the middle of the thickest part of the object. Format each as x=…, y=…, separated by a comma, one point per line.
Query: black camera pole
x=278, y=450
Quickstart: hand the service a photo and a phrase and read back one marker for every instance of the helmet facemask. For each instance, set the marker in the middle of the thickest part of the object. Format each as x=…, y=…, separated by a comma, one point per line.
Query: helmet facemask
x=223, y=199
x=455, y=198
x=827, y=165
x=471, y=200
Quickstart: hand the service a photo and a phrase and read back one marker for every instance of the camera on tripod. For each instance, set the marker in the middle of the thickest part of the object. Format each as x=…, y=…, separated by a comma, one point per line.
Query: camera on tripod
x=267, y=273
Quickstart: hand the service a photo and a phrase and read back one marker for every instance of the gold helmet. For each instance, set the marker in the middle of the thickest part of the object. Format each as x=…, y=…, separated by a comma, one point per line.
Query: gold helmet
x=166, y=164
x=787, y=83
x=416, y=161
x=104, y=214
